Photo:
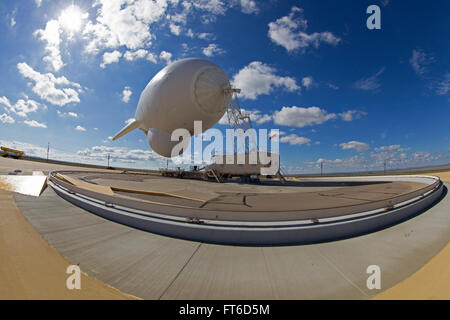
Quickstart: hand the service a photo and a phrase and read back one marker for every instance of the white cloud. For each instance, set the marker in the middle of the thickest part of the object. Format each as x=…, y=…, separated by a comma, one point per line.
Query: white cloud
x=390, y=155
x=94, y=155
x=35, y=124
x=119, y=154
x=167, y=56
x=351, y=115
x=423, y=156
x=4, y=118
x=133, y=55
x=126, y=94
x=293, y=140
x=216, y=7
x=353, y=163
x=289, y=32
x=72, y=19
x=442, y=87
x=130, y=23
x=67, y=114
x=256, y=116
x=393, y=159
x=206, y=36
x=12, y=22
x=51, y=35
x=80, y=128
x=38, y=2
x=297, y=116
x=110, y=57
x=151, y=57
x=329, y=161
x=261, y=118
x=333, y=86
x=180, y=17
x=301, y=117
x=175, y=29
x=420, y=60
x=249, y=6
x=370, y=83
x=21, y=107
x=189, y=33
x=356, y=145
x=212, y=49
x=388, y=148
x=185, y=46
x=45, y=86
x=307, y=82
x=123, y=23
x=258, y=78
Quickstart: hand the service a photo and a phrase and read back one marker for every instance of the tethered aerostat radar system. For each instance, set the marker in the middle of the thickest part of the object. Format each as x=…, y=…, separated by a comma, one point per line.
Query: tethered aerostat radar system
x=185, y=91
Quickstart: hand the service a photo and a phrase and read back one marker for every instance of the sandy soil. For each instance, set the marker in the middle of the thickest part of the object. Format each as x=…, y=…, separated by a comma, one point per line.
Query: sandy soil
x=445, y=175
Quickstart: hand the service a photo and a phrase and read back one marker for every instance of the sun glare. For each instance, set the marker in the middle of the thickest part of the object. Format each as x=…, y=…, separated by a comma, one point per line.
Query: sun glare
x=71, y=18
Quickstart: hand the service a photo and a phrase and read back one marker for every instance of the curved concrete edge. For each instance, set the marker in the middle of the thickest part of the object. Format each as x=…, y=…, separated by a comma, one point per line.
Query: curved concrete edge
x=255, y=235
x=172, y=210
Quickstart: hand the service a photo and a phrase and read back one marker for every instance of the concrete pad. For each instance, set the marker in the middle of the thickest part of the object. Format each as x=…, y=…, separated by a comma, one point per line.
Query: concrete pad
x=138, y=262
x=157, y=267
x=224, y=272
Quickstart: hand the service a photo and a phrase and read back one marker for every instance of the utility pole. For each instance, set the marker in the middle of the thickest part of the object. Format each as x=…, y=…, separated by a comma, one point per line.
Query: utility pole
x=108, y=159
x=321, y=169
x=48, y=149
x=384, y=166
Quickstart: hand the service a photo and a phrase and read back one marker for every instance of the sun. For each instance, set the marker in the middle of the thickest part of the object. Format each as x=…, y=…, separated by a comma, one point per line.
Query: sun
x=72, y=18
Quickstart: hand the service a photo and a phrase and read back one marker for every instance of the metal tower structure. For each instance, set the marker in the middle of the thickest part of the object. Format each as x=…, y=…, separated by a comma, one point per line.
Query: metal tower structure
x=239, y=120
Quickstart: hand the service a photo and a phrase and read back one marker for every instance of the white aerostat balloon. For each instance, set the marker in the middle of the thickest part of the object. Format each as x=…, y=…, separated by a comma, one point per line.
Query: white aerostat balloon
x=185, y=91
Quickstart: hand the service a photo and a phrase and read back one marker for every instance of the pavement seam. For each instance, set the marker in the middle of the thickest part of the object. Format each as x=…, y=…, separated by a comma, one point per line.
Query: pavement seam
x=342, y=274
x=266, y=265
x=138, y=261
x=64, y=229
x=67, y=252
x=181, y=270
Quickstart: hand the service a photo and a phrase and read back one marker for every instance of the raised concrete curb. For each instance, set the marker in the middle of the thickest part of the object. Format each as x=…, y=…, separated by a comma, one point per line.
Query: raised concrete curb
x=256, y=233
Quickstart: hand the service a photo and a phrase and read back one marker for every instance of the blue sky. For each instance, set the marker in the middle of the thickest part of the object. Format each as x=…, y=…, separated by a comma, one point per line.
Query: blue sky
x=341, y=94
